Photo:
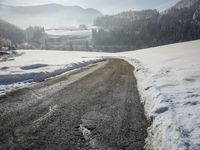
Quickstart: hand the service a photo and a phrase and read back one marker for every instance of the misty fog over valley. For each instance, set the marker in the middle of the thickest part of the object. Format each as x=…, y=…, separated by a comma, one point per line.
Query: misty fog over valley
x=99, y=75
x=128, y=30
x=48, y=16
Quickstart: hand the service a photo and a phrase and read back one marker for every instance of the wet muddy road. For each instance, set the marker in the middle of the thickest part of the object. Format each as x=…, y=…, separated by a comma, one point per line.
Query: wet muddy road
x=101, y=110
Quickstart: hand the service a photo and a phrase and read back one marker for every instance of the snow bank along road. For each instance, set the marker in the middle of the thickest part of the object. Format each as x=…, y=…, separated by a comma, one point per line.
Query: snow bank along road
x=95, y=108
x=34, y=66
x=168, y=79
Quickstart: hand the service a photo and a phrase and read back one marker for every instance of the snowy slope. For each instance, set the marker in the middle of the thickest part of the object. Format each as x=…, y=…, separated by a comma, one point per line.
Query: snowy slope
x=37, y=65
x=169, y=85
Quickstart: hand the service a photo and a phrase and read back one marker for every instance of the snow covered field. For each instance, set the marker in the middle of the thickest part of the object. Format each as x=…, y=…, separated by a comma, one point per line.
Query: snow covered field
x=69, y=33
x=169, y=85
x=37, y=65
x=168, y=81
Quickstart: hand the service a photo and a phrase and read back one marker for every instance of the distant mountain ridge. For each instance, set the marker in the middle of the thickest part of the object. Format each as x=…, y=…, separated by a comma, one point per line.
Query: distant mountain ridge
x=182, y=4
x=49, y=15
x=185, y=3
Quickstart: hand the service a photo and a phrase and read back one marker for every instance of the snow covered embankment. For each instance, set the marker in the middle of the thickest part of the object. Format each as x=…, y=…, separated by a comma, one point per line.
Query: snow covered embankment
x=38, y=65
x=169, y=84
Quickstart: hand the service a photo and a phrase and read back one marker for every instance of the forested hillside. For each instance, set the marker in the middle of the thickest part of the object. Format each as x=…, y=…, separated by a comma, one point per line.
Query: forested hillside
x=12, y=36
x=142, y=29
x=11, y=32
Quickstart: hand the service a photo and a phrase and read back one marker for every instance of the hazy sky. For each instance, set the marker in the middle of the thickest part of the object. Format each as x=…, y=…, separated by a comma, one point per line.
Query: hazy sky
x=105, y=6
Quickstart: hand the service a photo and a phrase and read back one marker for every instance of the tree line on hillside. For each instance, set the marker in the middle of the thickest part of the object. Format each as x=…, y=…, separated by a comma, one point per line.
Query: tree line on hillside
x=142, y=29
x=12, y=36
x=35, y=36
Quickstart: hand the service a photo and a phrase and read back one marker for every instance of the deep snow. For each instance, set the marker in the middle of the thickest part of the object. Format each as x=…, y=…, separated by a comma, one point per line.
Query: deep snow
x=169, y=84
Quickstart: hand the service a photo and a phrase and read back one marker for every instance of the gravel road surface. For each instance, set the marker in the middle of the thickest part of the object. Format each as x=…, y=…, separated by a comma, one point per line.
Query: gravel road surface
x=97, y=108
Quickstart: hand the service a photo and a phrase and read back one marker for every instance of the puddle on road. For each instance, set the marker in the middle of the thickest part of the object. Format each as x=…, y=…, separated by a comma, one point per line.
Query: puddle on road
x=89, y=123
x=87, y=134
